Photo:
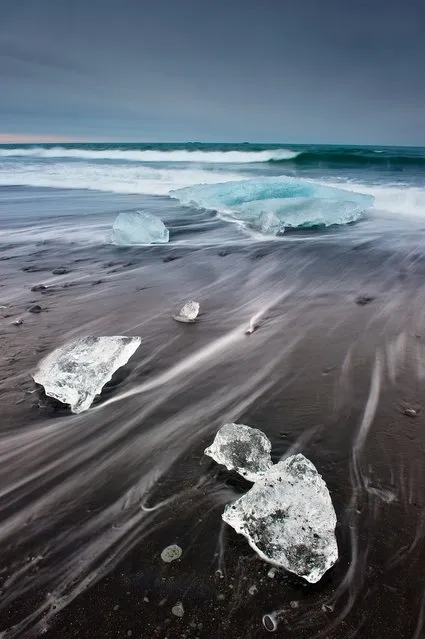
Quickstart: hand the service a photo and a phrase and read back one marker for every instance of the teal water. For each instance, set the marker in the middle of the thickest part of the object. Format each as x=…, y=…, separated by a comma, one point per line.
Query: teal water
x=366, y=180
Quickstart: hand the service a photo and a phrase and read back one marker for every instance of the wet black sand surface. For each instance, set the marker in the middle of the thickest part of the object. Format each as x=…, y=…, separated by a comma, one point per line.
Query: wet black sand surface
x=89, y=501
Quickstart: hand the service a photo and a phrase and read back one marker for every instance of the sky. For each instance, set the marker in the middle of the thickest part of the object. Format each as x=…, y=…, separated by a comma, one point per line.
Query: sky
x=300, y=71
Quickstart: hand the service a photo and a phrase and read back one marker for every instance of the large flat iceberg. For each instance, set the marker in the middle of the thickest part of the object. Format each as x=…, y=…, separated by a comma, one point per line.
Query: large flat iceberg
x=76, y=372
x=139, y=227
x=288, y=519
x=271, y=205
x=243, y=449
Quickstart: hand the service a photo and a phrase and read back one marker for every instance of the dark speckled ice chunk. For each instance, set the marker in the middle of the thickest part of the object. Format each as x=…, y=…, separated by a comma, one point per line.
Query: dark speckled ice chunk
x=288, y=518
x=242, y=448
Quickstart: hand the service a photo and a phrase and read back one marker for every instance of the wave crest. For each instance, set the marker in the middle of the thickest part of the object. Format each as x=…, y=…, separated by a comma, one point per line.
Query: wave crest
x=139, y=155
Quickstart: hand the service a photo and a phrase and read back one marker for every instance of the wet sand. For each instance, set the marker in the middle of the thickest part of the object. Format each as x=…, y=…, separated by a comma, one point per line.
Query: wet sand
x=88, y=502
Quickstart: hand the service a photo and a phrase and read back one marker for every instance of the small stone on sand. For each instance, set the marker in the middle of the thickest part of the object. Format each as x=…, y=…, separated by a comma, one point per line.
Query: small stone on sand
x=178, y=609
x=171, y=553
x=410, y=412
x=60, y=271
x=362, y=300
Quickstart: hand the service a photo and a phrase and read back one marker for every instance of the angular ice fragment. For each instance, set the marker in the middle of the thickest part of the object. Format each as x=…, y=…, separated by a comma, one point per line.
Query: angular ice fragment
x=188, y=313
x=269, y=223
x=242, y=448
x=288, y=518
x=139, y=227
x=190, y=310
x=75, y=373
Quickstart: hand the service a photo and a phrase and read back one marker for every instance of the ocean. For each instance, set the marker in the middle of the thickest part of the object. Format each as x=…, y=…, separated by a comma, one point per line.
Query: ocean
x=308, y=263
x=194, y=176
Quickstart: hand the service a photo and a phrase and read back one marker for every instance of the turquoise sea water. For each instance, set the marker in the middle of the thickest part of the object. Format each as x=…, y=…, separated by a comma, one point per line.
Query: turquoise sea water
x=292, y=182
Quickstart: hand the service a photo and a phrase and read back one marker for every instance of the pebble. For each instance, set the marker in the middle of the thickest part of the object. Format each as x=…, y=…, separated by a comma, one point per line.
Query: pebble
x=35, y=309
x=328, y=608
x=362, y=300
x=178, y=610
x=171, y=553
x=410, y=412
x=60, y=271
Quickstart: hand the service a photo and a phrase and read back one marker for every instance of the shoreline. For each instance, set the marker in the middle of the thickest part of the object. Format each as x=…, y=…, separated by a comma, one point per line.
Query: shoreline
x=318, y=363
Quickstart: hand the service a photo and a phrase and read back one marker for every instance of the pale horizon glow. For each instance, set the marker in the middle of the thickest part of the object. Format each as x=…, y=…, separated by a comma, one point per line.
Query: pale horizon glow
x=11, y=138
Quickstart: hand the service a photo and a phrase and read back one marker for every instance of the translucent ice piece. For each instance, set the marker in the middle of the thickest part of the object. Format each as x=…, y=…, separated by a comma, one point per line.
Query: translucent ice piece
x=269, y=223
x=139, y=227
x=75, y=373
x=273, y=204
x=288, y=518
x=242, y=448
x=188, y=313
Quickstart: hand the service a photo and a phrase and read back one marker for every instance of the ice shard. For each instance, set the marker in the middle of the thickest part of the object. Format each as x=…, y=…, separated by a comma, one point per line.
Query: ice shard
x=139, y=227
x=288, y=518
x=269, y=223
x=188, y=313
x=242, y=448
x=76, y=372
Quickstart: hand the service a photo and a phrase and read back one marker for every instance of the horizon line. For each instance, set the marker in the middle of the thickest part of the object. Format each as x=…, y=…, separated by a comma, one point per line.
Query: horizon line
x=6, y=138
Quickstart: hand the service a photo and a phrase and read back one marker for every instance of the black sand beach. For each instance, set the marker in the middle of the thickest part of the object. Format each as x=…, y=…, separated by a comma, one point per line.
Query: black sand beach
x=89, y=501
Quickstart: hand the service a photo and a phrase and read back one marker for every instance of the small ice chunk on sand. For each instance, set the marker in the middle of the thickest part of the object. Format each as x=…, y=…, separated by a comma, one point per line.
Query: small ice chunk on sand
x=139, y=227
x=76, y=372
x=242, y=448
x=188, y=313
x=269, y=223
x=171, y=553
x=178, y=609
x=288, y=518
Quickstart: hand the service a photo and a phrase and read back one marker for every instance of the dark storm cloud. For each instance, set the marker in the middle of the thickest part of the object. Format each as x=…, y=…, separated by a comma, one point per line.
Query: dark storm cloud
x=274, y=70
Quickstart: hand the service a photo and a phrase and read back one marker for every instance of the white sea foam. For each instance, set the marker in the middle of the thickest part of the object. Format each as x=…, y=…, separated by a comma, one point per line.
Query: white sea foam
x=108, y=177
x=184, y=155
x=396, y=198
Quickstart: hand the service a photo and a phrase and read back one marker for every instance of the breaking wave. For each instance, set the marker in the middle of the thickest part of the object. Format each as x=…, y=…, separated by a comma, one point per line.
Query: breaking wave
x=151, y=155
x=298, y=156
